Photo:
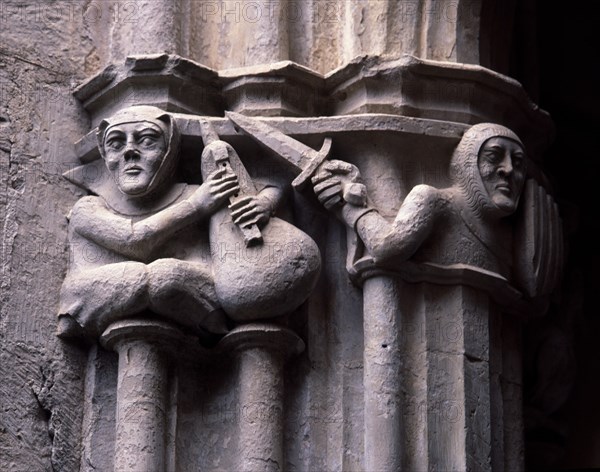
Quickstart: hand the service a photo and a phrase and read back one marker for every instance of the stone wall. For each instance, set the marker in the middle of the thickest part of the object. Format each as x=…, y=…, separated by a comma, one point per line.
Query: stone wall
x=41, y=58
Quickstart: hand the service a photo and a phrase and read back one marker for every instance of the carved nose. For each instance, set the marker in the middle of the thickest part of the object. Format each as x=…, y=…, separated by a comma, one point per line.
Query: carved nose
x=131, y=153
x=506, y=168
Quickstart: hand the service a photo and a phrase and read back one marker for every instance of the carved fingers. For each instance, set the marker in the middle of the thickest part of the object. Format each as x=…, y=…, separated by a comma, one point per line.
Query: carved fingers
x=217, y=188
x=250, y=210
x=223, y=184
x=538, y=242
x=337, y=182
x=329, y=192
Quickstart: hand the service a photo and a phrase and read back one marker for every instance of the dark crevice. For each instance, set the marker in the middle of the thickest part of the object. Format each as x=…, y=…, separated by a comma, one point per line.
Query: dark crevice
x=472, y=358
x=46, y=413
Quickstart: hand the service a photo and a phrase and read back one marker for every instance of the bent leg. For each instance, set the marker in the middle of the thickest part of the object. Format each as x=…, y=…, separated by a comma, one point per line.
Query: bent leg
x=184, y=292
x=97, y=297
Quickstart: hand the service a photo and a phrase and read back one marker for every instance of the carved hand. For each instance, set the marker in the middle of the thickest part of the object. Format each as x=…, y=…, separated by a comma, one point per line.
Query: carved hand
x=217, y=188
x=338, y=182
x=251, y=210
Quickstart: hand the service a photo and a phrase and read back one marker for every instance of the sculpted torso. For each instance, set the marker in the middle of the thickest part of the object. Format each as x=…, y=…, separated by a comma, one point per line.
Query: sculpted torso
x=462, y=224
x=143, y=245
x=109, y=236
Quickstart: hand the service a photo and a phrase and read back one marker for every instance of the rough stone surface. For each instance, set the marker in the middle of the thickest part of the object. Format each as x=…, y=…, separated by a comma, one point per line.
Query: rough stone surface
x=408, y=363
x=41, y=390
x=466, y=224
x=317, y=33
x=137, y=246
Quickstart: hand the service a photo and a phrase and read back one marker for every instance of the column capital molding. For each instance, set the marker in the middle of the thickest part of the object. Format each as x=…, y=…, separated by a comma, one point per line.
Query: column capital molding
x=402, y=86
x=263, y=336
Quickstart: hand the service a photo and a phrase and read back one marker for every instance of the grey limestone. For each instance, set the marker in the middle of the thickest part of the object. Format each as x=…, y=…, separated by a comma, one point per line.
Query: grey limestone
x=430, y=379
x=305, y=242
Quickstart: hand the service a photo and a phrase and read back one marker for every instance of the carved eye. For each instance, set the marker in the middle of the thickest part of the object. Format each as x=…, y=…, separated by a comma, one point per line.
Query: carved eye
x=493, y=155
x=148, y=140
x=518, y=160
x=115, y=144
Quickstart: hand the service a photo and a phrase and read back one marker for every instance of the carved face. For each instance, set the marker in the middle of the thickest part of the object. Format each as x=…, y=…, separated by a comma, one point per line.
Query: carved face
x=133, y=153
x=501, y=165
x=479, y=169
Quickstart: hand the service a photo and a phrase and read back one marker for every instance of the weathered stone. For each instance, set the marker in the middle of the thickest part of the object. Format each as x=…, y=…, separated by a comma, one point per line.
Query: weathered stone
x=142, y=391
x=412, y=361
x=169, y=82
x=150, y=254
x=261, y=350
x=464, y=226
x=408, y=87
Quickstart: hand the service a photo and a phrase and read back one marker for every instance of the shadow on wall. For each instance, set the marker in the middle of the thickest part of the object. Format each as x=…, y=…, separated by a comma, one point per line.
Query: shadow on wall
x=562, y=367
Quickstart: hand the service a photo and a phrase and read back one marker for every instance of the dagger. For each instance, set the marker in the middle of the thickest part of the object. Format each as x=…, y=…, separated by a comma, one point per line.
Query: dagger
x=304, y=158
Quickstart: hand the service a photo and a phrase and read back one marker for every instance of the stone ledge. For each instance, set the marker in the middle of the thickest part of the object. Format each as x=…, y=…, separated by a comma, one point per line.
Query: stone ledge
x=262, y=336
x=498, y=288
x=164, y=334
x=167, y=81
x=189, y=127
x=281, y=89
x=405, y=86
x=438, y=90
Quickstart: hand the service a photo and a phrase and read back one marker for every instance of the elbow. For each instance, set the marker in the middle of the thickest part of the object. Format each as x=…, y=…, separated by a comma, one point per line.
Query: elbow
x=138, y=247
x=382, y=251
x=385, y=250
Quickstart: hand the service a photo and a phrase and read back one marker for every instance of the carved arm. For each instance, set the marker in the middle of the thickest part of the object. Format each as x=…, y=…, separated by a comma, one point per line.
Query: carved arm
x=412, y=226
x=94, y=221
x=336, y=187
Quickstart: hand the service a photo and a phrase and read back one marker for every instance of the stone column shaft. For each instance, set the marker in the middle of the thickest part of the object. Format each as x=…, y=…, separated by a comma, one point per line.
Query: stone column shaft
x=142, y=392
x=261, y=350
x=141, y=402
x=426, y=376
x=143, y=27
x=457, y=409
x=383, y=438
x=261, y=405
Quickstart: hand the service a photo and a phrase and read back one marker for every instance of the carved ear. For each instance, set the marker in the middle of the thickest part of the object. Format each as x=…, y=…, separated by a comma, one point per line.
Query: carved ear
x=174, y=136
x=538, y=244
x=166, y=119
x=100, y=136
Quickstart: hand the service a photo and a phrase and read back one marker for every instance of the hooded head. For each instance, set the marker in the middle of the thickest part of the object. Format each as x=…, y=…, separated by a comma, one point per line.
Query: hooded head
x=140, y=146
x=489, y=167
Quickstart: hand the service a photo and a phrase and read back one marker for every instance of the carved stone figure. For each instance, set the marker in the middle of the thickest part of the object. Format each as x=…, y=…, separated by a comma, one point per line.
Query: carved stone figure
x=139, y=245
x=463, y=224
x=259, y=272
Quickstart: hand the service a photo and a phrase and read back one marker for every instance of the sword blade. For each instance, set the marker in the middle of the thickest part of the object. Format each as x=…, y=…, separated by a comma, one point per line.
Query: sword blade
x=293, y=151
